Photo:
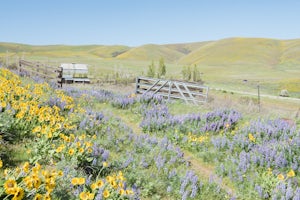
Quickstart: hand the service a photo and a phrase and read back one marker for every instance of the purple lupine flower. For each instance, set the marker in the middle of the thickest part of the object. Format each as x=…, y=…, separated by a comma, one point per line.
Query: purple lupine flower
x=297, y=194
x=144, y=163
x=128, y=161
x=122, y=102
x=185, y=195
x=289, y=192
x=259, y=190
x=105, y=155
x=160, y=161
x=99, y=195
x=169, y=189
x=172, y=173
x=172, y=160
x=281, y=187
x=194, y=190
x=94, y=163
x=183, y=185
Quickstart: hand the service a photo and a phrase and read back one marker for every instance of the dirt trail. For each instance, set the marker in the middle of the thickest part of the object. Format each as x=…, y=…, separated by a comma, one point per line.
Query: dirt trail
x=205, y=171
x=202, y=170
x=261, y=95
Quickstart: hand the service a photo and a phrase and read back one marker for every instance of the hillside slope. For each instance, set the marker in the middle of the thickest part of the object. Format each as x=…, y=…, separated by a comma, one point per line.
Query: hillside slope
x=225, y=52
x=101, y=51
x=237, y=51
x=152, y=52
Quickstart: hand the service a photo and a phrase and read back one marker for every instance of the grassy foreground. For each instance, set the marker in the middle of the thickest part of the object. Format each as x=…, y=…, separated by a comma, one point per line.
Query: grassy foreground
x=90, y=143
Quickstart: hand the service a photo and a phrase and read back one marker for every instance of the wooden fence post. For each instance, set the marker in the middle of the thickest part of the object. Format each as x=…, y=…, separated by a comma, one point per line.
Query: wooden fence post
x=45, y=70
x=170, y=88
x=258, y=97
x=59, y=76
x=19, y=67
x=137, y=84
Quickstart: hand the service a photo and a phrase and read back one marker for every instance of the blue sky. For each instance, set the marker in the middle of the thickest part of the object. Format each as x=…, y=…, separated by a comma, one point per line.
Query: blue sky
x=137, y=22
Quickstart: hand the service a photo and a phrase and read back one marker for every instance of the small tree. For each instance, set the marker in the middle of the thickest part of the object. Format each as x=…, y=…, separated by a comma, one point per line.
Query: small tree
x=151, y=70
x=161, y=68
x=196, y=74
x=186, y=73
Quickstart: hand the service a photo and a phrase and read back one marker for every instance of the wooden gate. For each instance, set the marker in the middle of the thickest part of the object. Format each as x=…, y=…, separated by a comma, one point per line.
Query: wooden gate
x=189, y=92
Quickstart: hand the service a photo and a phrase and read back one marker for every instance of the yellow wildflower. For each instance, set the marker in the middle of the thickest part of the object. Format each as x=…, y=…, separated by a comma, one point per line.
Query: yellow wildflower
x=251, y=137
x=99, y=183
x=106, y=193
x=105, y=164
x=20, y=115
x=19, y=194
x=38, y=197
x=37, y=129
x=36, y=182
x=78, y=144
x=5, y=172
x=81, y=150
x=1, y=163
x=280, y=177
x=3, y=104
x=114, y=184
x=88, y=144
x=121, y=185
x=50, y=135
x=94, y=186
x=86, y=195
x=26, y=167
x=291, y=173
x=72, y=136
x=67, y=139
x=129, y=192
x=60, y=173
x=47, y=196
x=269, y=171
x=122, y=192
x=81, y=181
x=59, y=149
x=10, y=186
x=28, y=182
x=109, y=179
x=74, y=181
x=82, y=137
x=71, y=151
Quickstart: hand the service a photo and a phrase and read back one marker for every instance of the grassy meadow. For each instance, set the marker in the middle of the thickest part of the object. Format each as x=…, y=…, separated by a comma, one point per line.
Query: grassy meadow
x=84, y=142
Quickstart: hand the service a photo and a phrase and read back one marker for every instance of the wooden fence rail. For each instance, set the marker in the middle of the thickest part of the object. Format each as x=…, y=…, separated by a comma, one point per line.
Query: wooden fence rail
x=38, y=69
x=189, y=92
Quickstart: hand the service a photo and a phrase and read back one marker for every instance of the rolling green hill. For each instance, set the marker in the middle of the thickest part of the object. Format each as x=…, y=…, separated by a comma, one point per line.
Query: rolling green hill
x=152, y=52
x=100, y=51
x=226, y=52
x=236, y=51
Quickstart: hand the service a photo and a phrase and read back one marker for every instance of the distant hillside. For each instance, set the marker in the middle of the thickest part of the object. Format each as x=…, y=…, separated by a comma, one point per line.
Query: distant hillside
x=100, y=51
x=237, y=51
x=231, y=51
x=152, y=52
